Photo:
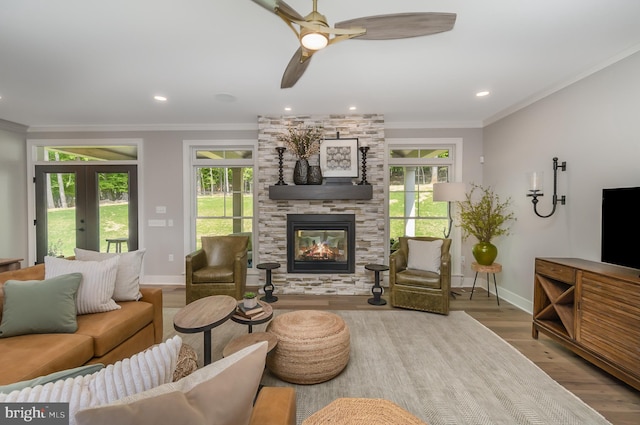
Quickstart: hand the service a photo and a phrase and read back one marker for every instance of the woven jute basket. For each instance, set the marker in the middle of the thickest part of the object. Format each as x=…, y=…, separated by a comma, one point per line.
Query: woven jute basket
x=313, y=346
x=362, y=411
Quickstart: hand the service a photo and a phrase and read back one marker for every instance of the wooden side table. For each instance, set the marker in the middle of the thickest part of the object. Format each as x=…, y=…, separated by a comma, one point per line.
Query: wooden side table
x=203, y=315
x=8, y=264
x=493, y=268
x=263, y=317
x=247, y=340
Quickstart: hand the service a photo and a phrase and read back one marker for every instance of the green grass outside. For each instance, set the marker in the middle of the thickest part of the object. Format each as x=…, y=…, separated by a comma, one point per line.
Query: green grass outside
x=424, y=207
x=62, y=227
x=113, y=223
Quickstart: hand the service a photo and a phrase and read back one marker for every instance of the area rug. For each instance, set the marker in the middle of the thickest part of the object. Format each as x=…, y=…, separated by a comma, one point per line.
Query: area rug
x=443, y=369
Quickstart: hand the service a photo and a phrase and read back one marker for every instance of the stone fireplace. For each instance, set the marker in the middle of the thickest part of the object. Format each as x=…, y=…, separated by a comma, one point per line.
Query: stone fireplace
x=321, y=243
x=369, y=214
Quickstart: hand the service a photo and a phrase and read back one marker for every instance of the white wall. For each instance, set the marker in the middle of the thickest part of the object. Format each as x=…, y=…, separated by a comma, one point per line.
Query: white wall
x=13, y=192
x=593, y=125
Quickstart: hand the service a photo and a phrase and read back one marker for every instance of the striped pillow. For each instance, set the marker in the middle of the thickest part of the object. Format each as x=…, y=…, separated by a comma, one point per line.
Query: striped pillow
x=98, y=281
x=140, y=372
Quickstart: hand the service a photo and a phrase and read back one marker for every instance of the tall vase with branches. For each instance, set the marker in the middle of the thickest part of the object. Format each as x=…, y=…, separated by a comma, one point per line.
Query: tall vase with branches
x=304, y=142
x=485, y=218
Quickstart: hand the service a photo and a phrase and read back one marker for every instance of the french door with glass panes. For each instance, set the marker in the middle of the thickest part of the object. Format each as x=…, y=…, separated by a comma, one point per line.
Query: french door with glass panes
x=92, y=207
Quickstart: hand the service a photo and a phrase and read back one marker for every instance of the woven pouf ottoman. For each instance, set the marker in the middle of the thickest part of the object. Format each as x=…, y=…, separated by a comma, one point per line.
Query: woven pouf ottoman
x=313, y=346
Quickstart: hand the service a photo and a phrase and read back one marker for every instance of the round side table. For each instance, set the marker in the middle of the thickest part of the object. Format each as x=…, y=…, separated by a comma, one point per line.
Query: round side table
x=268, y=286
x=377, y=289
x=246, y=340
x=203, y=315
x=258, y=319
x=493, y=268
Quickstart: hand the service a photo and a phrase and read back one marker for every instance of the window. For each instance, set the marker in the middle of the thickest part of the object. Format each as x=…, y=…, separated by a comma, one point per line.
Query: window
x=222, y=183
x=412, y=172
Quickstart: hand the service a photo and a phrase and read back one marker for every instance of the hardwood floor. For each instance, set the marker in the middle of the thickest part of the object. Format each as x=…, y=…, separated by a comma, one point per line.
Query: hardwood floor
x=613, y=399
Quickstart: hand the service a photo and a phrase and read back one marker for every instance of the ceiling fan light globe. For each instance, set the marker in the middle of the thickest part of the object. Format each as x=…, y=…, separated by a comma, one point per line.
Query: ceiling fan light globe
x=314, y=41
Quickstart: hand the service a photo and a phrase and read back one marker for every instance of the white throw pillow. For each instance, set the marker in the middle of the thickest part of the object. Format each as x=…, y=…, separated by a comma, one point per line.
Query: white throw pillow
x=128, y=276
x=221, y=393
x=424, y=255
x=139, y=373
x=98, y=281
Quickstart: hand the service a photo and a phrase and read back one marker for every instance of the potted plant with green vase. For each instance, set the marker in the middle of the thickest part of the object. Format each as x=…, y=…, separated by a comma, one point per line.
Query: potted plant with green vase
x=303, y=142
x=484, y=217
x=249, y=300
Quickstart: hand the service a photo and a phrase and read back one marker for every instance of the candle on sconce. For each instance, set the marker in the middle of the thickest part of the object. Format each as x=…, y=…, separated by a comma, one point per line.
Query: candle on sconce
x=535, y=181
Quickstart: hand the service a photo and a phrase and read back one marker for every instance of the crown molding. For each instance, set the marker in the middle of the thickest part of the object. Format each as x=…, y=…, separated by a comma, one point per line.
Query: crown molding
x=141, y=127
x=13, y=126
x=398, y=125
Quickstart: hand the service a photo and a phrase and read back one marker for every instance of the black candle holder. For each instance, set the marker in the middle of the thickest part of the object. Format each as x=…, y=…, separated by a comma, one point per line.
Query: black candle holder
x=363, y=151
x=281, y=182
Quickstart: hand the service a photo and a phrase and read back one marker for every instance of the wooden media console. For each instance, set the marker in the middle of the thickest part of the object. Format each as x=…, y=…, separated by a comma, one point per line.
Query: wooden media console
x=593, y=309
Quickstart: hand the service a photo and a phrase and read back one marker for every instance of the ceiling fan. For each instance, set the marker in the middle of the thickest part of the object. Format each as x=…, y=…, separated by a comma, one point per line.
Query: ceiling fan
x=315, y=34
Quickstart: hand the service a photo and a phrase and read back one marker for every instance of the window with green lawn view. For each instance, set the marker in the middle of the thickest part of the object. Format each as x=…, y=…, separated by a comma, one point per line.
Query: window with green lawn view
x=412, y=173
x=223, y=193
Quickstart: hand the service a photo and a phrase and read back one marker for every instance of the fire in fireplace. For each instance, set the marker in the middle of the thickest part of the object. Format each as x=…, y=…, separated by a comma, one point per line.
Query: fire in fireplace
x=321, y=243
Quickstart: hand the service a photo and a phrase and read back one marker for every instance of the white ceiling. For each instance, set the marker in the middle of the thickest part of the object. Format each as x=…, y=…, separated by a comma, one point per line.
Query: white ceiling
x=99, y=63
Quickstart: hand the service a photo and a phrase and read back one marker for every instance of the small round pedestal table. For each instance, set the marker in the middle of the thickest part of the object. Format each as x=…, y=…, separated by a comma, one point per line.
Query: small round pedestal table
x=377, y=289
x=268, y=286
x=264, y=317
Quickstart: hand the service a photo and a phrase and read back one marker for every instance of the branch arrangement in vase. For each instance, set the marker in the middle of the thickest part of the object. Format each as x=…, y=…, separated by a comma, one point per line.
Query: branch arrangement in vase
x=485, y=218
x=302, y=141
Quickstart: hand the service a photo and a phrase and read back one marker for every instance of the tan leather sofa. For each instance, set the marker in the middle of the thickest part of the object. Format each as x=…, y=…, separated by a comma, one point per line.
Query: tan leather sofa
x=100, y=338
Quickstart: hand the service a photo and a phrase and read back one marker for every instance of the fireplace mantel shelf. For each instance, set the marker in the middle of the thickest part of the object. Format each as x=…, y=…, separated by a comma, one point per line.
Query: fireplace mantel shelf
x=321, y=192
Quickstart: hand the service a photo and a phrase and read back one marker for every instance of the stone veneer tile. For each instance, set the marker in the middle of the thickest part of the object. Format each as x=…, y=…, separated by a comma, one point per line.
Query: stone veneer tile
x=370, y=217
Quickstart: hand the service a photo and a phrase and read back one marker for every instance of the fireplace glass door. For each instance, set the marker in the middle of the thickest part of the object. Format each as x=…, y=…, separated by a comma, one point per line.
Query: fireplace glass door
x=321, y=243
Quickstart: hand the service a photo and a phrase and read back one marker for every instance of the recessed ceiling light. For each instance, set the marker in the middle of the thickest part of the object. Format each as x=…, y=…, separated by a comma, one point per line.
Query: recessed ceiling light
x=287, y=108
x=482, y=93
x=225, y=97
x=160, y=98
x=352, y=108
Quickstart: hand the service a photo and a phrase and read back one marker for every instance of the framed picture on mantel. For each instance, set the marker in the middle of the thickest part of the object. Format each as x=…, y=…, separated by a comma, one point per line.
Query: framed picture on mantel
x=339, y=157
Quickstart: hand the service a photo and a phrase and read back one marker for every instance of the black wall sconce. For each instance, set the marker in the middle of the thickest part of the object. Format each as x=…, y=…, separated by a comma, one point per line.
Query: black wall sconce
x=535, y=188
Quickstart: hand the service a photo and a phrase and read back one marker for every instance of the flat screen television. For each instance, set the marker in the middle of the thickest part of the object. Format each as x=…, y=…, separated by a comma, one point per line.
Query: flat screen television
x=621, y=226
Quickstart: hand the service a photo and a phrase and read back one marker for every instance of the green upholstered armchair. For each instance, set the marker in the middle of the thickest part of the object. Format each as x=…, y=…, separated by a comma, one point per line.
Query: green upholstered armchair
x=418, y=289
x=219, y=268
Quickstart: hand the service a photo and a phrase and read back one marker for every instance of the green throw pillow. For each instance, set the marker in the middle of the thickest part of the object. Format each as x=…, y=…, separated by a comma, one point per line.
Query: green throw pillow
x=53, y=377
x=40, y=306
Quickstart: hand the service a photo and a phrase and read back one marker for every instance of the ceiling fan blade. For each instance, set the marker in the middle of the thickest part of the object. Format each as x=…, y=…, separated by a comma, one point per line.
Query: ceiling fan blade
x=295, y=69
x=272, y=5
x=401, y=25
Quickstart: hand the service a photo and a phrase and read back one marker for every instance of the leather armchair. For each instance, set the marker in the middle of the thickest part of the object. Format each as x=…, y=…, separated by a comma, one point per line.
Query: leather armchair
x=419, y=289
x=219, y=268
